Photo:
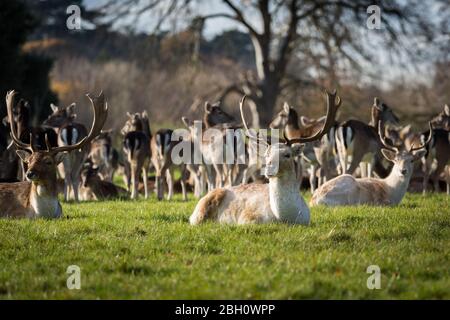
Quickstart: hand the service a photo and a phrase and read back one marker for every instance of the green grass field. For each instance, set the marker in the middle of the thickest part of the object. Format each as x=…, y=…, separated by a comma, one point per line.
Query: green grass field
x=147, y=249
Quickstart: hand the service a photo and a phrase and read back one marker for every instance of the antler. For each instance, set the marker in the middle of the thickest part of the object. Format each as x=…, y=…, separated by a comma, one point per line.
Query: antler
x=10, y=96
x=332, y=107
x=100, y=107
x=247, y=131
x=383, y=140
x=430, y=136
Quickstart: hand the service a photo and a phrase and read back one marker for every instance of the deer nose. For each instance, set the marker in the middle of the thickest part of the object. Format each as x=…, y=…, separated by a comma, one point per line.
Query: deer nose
x=31, y=175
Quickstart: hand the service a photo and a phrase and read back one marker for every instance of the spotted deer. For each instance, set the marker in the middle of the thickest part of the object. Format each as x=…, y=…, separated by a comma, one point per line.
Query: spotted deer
x=136, y=146
x=38, y=197
x=348, y=190
x=279, y=200
x=358, y=144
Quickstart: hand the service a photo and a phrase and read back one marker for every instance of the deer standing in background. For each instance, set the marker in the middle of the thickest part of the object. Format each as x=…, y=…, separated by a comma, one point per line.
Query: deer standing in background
x=38, y=196
x=279, y=200
x=136, y=146
x=104, y=156
x=70, y=133
x=348, y=190
x=359, y=141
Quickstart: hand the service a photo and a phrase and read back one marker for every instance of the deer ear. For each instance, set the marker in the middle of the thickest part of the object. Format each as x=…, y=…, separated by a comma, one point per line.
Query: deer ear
x=208, y=107
x=286, y=108
x=60, y=157
x=129, y=115
x=297, y=149
x=388, y=154
x=447, y=110
x=53, y=107
x=5, y=121
x=419, y=154
x=405, y=130
x=305, y=121
x=24, y=155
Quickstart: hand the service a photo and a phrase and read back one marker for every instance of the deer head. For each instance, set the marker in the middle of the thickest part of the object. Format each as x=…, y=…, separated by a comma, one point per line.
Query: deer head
x=280, y=156
x=214, y=115
x=403, y=159
x=382, y=112
x=442, y=120
x=133, y=123
x=42, y=163
x=60, y=115
x=287, y=115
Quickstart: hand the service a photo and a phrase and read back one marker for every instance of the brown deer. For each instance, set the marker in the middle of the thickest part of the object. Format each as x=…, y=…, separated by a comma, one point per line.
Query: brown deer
x=442, y=120
x=360, y=141
x=94, y=188
x=136, y=146
x=279, y=200
x=38, y=196
x=69, y=132
x=104, y=156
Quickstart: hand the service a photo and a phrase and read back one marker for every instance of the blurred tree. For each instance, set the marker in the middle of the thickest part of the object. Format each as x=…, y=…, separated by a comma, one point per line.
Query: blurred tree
x=24, y=72
x=322, y=35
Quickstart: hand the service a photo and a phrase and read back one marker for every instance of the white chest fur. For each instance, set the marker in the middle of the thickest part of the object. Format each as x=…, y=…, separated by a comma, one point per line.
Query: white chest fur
x=44, y=205
x=286, y=203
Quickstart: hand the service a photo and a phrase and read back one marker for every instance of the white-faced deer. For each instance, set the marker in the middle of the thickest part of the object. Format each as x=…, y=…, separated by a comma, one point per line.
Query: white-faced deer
x=93, y=188
x=348, y=190
x=279, y=200
x=38, y=196
x=359, y=141
x=136, y=146
x=104, y=156
x=70, y=133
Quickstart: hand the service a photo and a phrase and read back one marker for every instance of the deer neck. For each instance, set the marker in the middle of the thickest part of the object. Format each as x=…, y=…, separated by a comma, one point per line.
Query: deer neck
x=44, y=198
x=285, y=200
x=398, y=185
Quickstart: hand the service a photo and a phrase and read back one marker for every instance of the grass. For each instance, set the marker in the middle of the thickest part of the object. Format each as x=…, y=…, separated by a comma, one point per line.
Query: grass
x=147, y=249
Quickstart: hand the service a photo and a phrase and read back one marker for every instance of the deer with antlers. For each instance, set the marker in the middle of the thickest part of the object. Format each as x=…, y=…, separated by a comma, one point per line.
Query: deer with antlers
x=348, y=190
x=279, y=200
x=37, y=197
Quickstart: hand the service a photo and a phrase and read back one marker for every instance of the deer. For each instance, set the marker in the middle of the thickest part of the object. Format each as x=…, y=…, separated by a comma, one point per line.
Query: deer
x=348, y=190
x=136, y=146
x=442, y=120
x=38, y=197
x=104, y=156
x=69, y=132
x=94, y=188
x=279, y=200
x=161, y=149
x=318, y=154
x=359, y=141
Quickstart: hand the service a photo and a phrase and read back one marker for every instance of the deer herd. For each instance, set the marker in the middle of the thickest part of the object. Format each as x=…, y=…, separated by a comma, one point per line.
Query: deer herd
x=347, y=163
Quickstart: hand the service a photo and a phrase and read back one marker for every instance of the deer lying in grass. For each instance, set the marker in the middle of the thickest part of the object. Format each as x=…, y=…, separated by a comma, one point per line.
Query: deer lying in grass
x=94, y=188
x=279, y=200
x=348, y=190
x=38, y=196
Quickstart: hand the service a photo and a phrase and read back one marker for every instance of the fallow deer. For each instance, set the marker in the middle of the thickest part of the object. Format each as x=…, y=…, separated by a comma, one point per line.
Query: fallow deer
x=348, y=190
x=161, y=147
x=104, y=156
x=318, y=154
x=442, y=120
x=94, y=188
x=38, y=196
x=359, y=141
x=136, y=146
x=70, y=133
x=279, y=200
